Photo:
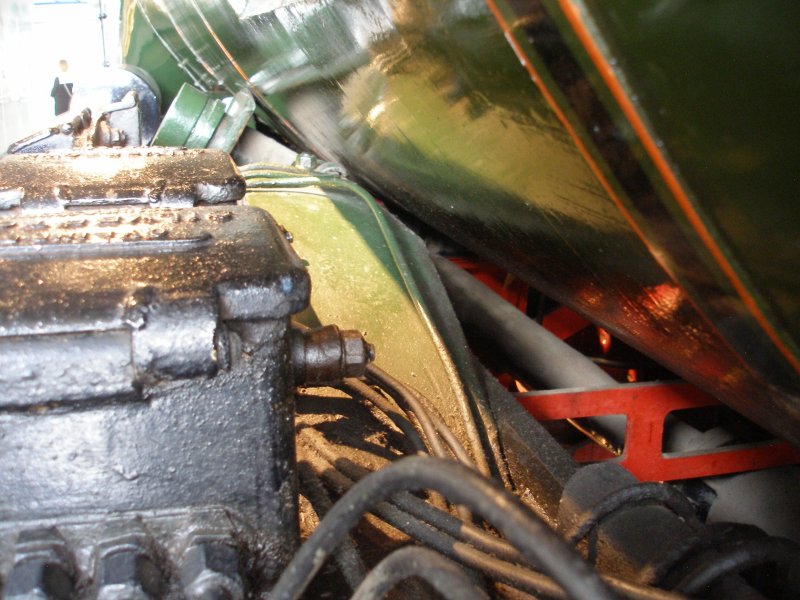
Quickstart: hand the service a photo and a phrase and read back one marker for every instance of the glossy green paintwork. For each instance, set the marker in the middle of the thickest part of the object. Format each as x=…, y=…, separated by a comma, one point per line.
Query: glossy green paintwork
x=198, y=119
x=183, y=115
x=371, y=274
x=426, y=104
x=140, y=46
x=722, y=99
x=440, y=117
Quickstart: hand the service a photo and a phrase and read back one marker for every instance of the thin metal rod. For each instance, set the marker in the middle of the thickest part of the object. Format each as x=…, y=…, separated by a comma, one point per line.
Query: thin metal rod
x=102, y=17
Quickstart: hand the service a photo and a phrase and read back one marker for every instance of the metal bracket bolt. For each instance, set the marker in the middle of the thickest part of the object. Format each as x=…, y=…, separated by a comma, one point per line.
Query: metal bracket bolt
x=129, y=571
x=327, y=355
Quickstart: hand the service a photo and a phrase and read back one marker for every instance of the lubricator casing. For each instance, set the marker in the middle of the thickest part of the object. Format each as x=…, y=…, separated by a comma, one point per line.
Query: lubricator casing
x=144, y=364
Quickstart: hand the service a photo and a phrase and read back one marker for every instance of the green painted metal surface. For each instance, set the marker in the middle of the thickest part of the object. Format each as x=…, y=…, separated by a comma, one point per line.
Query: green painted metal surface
x=366, y=272
x=198, y=119
x=720, y=97
x=429, y=105
x=141, y=46
x=179, y=122
x=238, y=113
x=206, y=124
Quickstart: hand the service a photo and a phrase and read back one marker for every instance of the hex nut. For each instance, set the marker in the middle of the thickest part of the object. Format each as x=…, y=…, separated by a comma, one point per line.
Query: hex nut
x=210, y=571
x=128, y=571
x=357, y=353
x=42, y=567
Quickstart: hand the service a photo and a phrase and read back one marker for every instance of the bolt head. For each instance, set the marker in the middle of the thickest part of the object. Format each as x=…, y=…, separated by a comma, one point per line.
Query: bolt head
x=39, y=577
x=210, y=571
x=306, y=161
x=42, y=568
x=130, y=572
x=357, y=353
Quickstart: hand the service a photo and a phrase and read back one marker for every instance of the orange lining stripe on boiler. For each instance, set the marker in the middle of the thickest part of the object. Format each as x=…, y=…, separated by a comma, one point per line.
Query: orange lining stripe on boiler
x=537, y=80
x=607, y=73
x=573, y=15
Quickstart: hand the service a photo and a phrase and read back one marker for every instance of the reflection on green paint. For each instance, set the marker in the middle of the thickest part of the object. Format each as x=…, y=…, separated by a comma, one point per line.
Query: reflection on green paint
x=361, y=278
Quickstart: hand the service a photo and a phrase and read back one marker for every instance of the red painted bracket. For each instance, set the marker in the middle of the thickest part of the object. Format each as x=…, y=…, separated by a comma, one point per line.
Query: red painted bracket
x=646, y=406
x=498, y=280
x=564, y=322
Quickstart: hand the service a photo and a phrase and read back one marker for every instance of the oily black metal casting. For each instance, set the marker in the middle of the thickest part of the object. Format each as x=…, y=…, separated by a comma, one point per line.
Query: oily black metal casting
x=145, y=359
x=60, y=137
x=118, y=125
x=106, y=91
x=149, y=177
x=163, y=554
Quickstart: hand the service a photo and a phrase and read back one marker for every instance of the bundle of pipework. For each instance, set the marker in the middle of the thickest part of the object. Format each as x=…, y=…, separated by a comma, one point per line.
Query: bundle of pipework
x=467, y=531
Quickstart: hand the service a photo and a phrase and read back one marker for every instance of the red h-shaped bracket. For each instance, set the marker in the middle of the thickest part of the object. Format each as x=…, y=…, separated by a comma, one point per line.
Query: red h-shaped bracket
x=646, y=406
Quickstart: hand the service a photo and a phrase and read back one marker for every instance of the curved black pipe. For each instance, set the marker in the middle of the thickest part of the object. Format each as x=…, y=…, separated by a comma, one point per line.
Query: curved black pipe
x=443, y=575
x=535, y=540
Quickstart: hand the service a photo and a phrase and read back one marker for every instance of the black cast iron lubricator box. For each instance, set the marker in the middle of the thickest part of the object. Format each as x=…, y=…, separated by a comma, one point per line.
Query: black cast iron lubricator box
x=146, y=396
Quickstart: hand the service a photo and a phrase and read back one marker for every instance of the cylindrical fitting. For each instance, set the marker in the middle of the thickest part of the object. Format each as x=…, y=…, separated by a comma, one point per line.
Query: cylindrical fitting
x=327, y=355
